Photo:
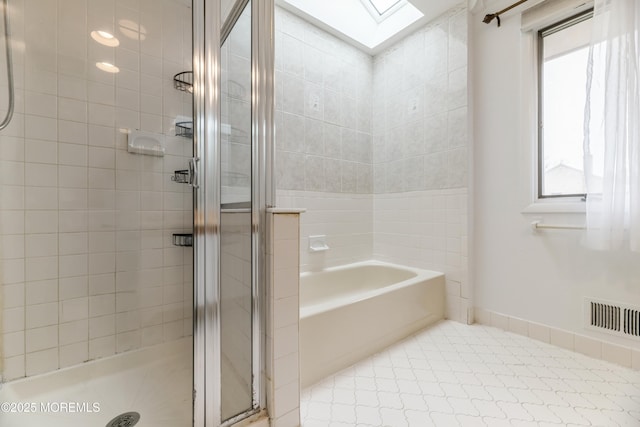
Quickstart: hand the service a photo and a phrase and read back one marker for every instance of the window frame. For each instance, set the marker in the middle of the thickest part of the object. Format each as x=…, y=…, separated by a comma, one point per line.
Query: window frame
x=376, y=15
x=540, y=34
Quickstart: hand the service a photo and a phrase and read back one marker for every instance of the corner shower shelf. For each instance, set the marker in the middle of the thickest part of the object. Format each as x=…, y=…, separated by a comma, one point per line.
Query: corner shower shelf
x=184, y=81
x=184, y=129
x=183, y=239
x=181, y=176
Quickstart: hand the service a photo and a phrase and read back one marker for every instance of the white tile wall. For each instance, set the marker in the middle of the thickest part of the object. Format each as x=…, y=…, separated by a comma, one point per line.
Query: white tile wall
x=346, y=220
x=283, y=367
x=88, y=268
x=427, y=229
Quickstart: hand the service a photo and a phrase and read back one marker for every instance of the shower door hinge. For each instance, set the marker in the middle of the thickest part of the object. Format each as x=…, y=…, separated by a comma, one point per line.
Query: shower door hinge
x=193, y=171
x=188, y=176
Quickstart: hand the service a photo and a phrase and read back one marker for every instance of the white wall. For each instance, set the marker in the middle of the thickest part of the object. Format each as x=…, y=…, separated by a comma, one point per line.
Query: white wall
x=540, y=277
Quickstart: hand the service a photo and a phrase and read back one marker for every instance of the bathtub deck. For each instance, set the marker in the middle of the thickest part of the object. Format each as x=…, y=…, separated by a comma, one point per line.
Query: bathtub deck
x=457, y=375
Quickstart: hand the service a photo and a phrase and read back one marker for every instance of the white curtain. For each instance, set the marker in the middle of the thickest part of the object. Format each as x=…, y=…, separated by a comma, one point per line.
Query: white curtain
x=612, y=127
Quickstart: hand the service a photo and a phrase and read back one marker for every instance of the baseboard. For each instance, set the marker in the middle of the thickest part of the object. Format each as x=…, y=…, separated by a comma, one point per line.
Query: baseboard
x=589, y=346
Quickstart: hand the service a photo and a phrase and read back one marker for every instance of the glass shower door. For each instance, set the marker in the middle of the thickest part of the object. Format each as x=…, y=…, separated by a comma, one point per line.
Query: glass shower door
x=236, y=279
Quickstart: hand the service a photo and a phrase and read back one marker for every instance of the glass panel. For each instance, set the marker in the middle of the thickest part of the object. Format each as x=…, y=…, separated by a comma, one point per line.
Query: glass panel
x=564, y=81
x=225, y=7
x=383, y=6
x=235, y=264
x=88, y=268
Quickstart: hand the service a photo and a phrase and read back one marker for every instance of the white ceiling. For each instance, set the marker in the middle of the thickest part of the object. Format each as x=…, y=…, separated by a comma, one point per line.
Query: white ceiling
x=352, y=22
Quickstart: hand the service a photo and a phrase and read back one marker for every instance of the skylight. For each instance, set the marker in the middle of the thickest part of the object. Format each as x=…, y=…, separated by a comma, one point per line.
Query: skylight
x=370, y=25
x=380, y=10
x=383, y=6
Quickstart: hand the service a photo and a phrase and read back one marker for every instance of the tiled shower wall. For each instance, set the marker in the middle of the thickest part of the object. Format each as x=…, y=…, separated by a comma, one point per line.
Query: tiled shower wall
x=420, y=154
x=88, y=267
x=420, y=109
x=324, y=139
x=415, y=212
x=345, y=218
x=323, y=110
x=427, y=229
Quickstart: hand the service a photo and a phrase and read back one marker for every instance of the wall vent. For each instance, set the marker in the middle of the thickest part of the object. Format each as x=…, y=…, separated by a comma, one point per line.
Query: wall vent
x=612, y=318
x=631, y=320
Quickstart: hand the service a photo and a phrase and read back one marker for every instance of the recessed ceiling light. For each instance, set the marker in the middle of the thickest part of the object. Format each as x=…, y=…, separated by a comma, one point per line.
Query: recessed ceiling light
x=105, y=38
x=108, y=67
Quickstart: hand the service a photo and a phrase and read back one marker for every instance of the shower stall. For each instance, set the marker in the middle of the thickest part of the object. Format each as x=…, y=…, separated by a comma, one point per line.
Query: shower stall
x=134, y=179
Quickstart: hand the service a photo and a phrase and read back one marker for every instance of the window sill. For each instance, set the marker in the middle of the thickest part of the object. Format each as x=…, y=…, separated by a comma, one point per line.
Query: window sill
x=539, y=207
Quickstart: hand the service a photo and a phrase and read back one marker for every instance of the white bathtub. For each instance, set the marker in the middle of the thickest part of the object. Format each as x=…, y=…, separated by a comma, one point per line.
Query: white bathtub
x=350, y=312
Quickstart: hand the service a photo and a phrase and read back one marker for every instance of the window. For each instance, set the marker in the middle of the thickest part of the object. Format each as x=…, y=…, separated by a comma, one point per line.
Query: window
x=382, y=9
x=383, y=6
x=563, y=51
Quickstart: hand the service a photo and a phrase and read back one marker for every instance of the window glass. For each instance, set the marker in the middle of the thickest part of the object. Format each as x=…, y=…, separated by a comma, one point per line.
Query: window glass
x=564, y=51
x=382, y=6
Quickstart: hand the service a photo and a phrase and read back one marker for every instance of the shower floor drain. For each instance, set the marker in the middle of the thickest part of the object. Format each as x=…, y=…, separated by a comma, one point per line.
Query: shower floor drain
x=128, y=419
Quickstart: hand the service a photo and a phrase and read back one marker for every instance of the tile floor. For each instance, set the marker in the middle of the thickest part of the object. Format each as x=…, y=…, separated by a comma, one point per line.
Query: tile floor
x=456, y=375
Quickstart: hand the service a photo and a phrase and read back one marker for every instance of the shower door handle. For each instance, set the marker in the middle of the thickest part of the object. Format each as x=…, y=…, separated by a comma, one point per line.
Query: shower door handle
x=193, y=172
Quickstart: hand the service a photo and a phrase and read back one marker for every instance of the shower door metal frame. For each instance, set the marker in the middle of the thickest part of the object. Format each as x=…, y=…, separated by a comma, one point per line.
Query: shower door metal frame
x=207, y=41
x=262, y=165
x=206, y=213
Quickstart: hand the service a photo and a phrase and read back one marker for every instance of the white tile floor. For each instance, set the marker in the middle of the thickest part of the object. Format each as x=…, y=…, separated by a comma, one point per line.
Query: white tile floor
x=456, y=375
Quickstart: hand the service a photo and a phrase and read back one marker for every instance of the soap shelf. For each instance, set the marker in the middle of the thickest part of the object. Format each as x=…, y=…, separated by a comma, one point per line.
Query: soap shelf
x=184, y=81
x=183, y=239
x=181, y=176
x=318, y=243
x=184, y=129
